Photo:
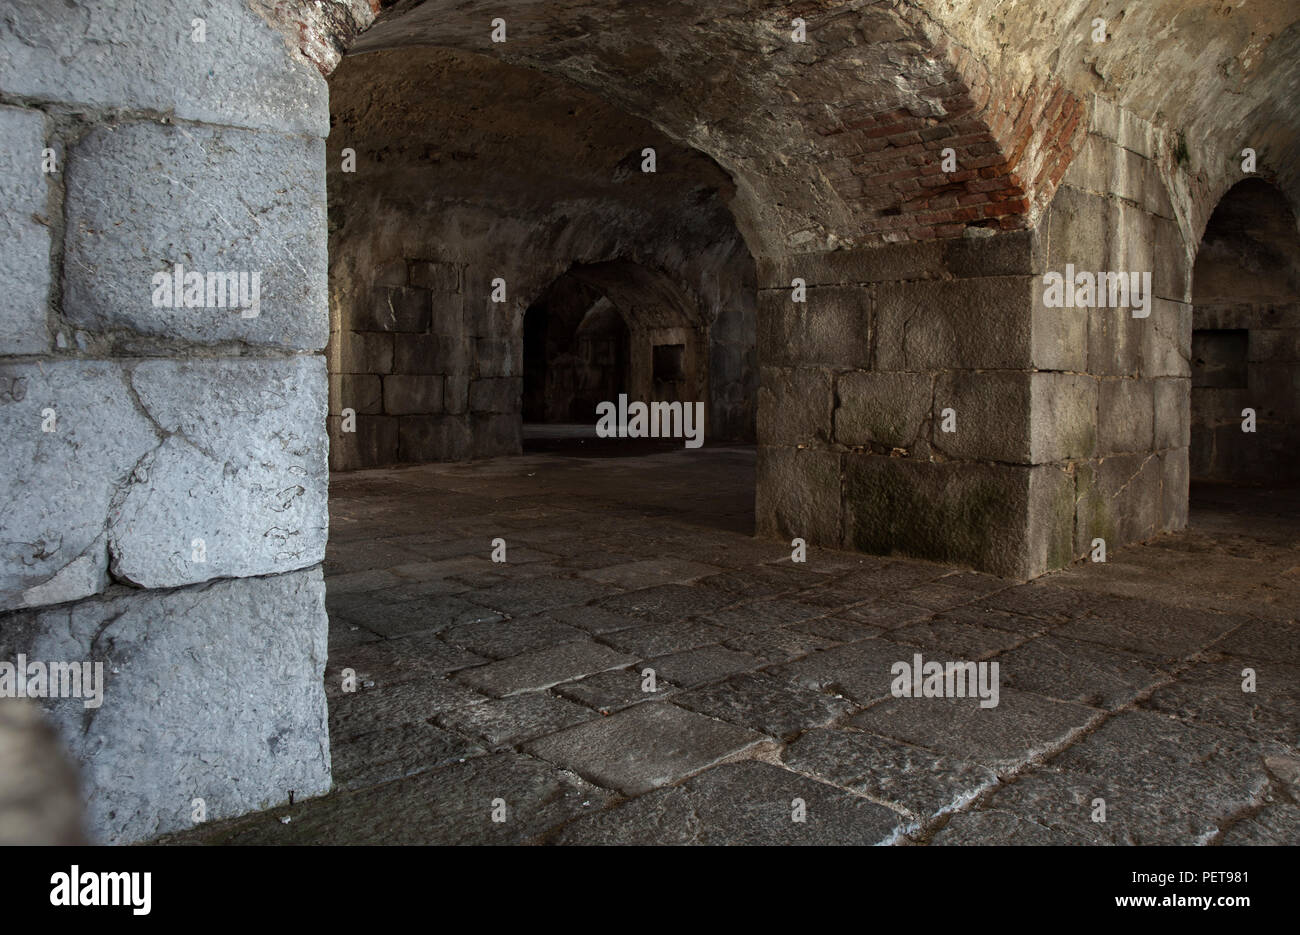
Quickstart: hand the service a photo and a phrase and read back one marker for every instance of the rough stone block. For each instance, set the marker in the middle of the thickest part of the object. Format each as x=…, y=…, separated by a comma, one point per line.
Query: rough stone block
x=1007, y=254
x=359, y=392
x=212, y=692
x=498, y=358
x=1125, y=416
x=886, y=408
x=1078, y=227
x=1115, y=340
x=138, y=54
x=436, y=277
x=144, y=197
x=644, y=747
x=455, y=393
x=537, y=670
x=243, y=466
x=412, y=395
x=365, y=352
x=869, y=264
x=1007, y=520
x=24, y=240
x=496, y=394
x=794, y=406
x=1175, y=475
x=1166, y=345
x=496, y=435
x=832, y=328
x=798, y=494
x=1173, y=413
x=1117, y=499
x=399, y=309
x=1171, y=277
x=433, y=438
x=60, y=485
x=431, y=353
x=1016, y=417
x=372, y=444
x=968, y=324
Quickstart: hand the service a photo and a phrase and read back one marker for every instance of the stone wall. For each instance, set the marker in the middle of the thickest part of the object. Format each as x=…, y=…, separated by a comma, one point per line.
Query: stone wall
x=150, y=450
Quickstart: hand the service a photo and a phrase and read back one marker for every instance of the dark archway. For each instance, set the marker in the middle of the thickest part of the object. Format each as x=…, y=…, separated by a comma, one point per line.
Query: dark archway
x=1246, y=341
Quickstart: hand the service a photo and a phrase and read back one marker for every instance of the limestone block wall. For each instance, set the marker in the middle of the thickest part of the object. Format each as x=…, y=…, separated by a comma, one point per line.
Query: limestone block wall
x=1113, y=212
x=164, y=462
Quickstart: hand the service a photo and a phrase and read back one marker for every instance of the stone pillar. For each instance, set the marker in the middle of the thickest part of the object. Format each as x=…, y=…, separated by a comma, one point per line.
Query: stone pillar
x=1071, y=424
x=860, y=386
x=164, y=469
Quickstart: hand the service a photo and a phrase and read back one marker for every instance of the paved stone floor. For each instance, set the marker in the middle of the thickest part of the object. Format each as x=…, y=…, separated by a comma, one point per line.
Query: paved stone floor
x=517, y=691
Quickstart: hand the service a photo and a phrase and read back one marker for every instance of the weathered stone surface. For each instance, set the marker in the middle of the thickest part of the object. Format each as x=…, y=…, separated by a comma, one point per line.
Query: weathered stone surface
x=794, y=406
x=1081, y=672
x=399, y=308
x=431, y=353
x=503, y=638
x=24, y=233
x=397, y=752
x=1011, y=521
x=1212, y=694
x=738, y=804
x=693, y=667
x=505, y=722
x=1125, y=416
x=1117, y=499
x=886, y=408
x=412, y=702
x=609, y=691
x=138, y=55
x=242, y=467
x=833, y=327
x=212, y=692
x=798, y=494
x=60, y=485
x=644, y=747
x=407, y=395
x=1216, y=775
x=1022, y=725
x=360, y=392
x=363, y=352
x=966, y=324
x=659, y=639
x=451, y=805
x=1016, y=417
x=765, y=704
x=915, y=781
x=859, y=671
x=218, y=200
x=499, y=394
x=993, y=826
x=544, y=668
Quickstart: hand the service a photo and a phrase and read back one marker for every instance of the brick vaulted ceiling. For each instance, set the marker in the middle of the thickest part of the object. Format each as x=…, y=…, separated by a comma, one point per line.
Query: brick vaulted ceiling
x=836, y=141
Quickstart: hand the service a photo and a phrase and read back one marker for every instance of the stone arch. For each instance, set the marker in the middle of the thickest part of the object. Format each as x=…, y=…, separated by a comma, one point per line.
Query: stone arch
x=1246, y=339
x=665, y=331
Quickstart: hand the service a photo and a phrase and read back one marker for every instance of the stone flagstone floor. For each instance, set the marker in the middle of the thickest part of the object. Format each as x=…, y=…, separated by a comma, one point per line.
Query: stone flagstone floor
x=516, y=691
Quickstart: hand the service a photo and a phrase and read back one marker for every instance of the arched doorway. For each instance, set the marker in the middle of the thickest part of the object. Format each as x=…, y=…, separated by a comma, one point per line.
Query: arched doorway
x=1246, y=341
x=603, y=332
